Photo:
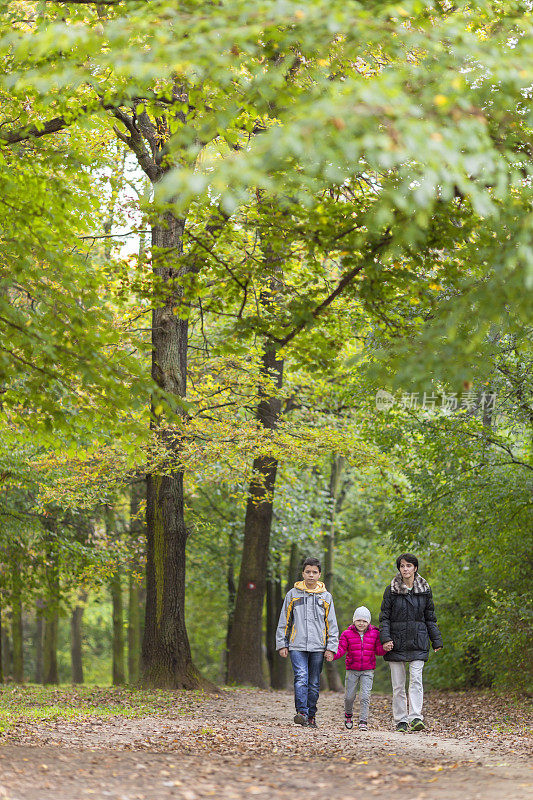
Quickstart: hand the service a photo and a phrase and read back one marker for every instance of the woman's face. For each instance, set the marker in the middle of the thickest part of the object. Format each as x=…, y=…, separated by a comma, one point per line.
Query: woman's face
x=407, y=570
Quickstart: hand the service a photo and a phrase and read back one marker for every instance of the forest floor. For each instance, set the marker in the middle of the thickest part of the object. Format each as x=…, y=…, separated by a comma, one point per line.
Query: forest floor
x=242, y=744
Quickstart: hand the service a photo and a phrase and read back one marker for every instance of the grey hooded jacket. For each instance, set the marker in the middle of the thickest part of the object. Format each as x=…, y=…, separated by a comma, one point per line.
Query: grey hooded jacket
x=307, y=620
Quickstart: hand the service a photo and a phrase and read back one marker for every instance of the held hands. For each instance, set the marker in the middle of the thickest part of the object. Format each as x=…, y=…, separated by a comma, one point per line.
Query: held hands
x=284, y=652
x=329, y=655
x=388, y=646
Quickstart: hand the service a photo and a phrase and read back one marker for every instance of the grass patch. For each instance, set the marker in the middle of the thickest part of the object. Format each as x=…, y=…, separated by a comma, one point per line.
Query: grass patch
x=33, y=703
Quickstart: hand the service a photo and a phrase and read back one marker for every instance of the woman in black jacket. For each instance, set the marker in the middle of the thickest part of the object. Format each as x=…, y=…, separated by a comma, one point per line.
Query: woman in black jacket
x=407, y=623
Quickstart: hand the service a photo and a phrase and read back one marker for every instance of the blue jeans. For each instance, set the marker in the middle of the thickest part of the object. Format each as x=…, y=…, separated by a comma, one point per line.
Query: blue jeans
x=307, y=668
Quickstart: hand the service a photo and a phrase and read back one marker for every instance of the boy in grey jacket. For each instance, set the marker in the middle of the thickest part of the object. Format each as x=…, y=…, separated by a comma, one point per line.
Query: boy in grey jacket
x=307, y=632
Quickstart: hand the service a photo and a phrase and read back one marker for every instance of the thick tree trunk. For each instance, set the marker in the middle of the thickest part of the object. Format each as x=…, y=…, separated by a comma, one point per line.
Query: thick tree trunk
x=274, y=602
x=38, y=640
x=166, y=653
x=16, y=619
x=335, y=482
x=51, y=612
x=76, y=654
x=167, y=661
x=245, y=656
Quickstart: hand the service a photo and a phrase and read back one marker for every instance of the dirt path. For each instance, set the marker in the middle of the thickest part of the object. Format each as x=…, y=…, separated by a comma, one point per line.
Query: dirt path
x=242, y=744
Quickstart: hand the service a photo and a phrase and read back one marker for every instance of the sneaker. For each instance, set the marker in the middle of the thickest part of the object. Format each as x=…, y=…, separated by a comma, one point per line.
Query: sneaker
x=348, y=722
x=312, y=722
x=363, y=726
x=301, y=719
x=401, y=727
x=417, y=725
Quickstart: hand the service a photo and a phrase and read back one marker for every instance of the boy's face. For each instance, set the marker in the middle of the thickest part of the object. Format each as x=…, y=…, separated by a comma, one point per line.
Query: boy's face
x=361, y=625
x=311, y=576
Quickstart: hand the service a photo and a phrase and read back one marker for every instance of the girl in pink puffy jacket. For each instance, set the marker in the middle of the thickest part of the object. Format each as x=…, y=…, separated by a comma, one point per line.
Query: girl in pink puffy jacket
x=361, y=644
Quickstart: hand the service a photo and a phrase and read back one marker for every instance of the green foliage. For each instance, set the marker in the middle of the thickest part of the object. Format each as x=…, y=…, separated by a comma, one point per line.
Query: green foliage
x=356, y=183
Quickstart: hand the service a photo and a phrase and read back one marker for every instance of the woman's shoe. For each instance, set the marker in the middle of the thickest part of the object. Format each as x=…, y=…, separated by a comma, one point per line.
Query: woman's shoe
x=348, y=722
x=401, y=727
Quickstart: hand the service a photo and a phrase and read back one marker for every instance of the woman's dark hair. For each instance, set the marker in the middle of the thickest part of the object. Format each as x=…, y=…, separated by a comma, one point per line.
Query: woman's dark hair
x=407, y=557
x=312, y=562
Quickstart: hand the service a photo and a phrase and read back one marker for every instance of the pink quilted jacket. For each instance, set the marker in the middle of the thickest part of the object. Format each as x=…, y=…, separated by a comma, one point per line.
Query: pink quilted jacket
x=360, y=655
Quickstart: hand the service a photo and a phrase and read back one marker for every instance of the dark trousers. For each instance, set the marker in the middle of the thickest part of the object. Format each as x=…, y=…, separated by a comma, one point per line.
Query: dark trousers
x=307, y=668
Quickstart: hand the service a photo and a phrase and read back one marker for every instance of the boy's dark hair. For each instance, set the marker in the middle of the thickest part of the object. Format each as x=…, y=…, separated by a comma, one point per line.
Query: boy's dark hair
x=312, y=562
x=409, y=558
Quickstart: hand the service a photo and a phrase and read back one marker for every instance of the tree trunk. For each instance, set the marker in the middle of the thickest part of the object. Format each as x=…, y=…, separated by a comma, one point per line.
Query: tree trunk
x=245, y=657
x=232, y=592
x=50, y=672
x=76, y=656
x=137, y=531
x=51, y=611
x=1, y=649
x=335, y=482
x=38, y=640
x=293, y=572
x=16, y=618
x=134, y=630
x=115, y=587
x=119, y=676
x=274, y=602
x=6, y=654
x=166, y=653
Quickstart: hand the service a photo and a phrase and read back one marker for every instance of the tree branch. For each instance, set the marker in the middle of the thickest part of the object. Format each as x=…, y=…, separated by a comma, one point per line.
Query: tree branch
x=346, y=279
x=34, y=132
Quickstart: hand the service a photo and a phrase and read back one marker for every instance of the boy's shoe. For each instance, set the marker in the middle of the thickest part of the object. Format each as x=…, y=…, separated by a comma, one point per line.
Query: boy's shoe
x=401, y=727
x=417, y=725
x=301, y=719
x=312, y=722
x=348, y=722
x=363, y=726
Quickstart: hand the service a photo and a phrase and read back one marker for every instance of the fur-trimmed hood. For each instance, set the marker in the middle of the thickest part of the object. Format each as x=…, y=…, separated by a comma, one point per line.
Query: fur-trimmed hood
x=420, y=585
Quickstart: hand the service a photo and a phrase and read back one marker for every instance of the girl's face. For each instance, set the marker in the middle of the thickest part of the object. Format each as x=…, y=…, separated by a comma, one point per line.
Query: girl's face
x=361, y=625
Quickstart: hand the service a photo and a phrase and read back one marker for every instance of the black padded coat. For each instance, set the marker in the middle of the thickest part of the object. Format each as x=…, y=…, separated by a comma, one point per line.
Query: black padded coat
x=408, y=618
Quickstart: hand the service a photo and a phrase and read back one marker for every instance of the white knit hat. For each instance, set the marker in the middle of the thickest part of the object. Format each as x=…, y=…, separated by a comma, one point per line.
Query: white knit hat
x=362, y=613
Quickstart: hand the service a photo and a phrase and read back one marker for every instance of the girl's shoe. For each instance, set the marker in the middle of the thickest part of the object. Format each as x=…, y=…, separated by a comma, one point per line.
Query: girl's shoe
x=362, y=725
x=348, y=722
